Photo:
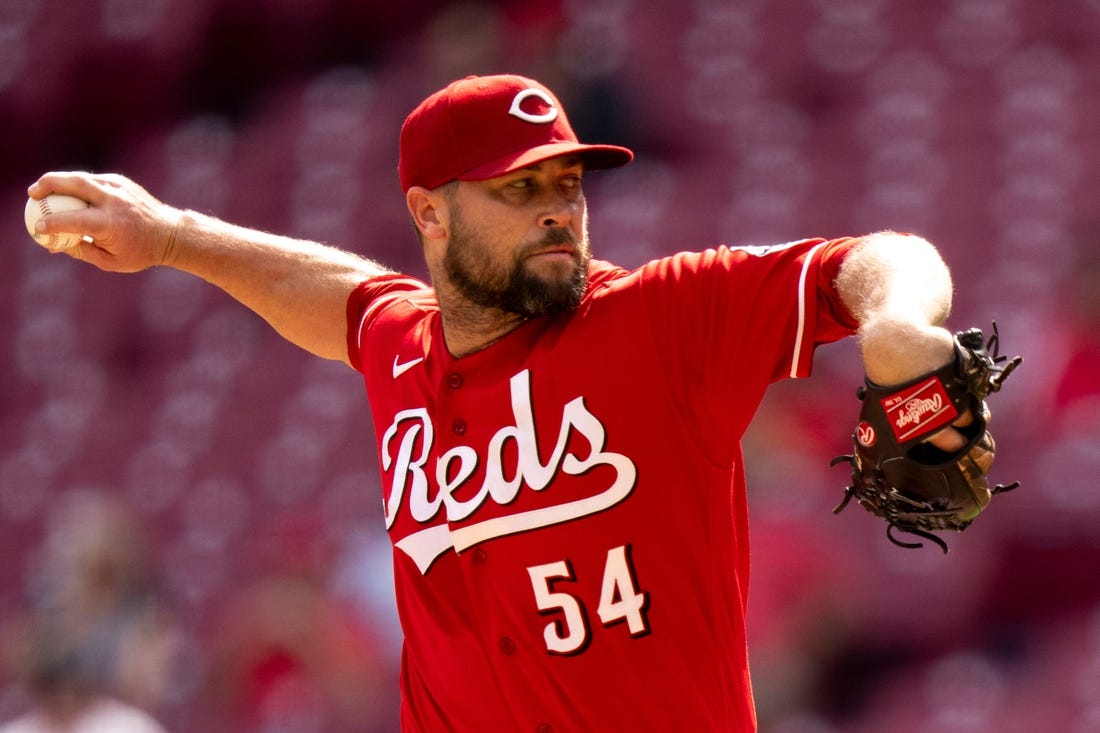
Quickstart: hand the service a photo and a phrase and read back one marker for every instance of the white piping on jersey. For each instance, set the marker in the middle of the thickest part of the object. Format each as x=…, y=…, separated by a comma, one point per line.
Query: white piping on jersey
x=802, y=309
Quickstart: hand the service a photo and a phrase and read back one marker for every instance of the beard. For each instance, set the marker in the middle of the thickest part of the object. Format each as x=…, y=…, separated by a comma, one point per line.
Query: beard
x=514, y=288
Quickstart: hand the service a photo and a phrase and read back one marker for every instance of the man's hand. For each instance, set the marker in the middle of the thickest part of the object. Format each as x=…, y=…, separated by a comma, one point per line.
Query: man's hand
x=896, y=351
x=908, y=466
x=130, y=229
x=950, y=439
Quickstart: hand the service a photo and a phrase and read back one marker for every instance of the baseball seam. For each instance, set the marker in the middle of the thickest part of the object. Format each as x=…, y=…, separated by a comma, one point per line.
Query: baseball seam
x=44, y=208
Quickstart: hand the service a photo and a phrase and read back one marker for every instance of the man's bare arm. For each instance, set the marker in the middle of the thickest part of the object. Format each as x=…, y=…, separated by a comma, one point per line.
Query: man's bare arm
x=899, y=289
x=299, y=287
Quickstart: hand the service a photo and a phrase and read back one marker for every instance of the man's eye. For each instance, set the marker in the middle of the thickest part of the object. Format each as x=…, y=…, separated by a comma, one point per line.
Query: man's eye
x=522, y=183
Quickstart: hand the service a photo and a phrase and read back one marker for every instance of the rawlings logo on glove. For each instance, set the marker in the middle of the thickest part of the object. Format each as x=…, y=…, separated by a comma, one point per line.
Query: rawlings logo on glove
x=919, y=410
x=917, y=488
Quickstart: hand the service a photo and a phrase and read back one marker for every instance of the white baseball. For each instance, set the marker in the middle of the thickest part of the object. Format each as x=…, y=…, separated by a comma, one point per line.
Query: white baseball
x=52, y=204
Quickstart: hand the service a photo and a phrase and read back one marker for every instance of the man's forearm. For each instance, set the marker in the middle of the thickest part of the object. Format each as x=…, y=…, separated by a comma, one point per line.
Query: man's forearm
x=299, y=287
x=899, y=289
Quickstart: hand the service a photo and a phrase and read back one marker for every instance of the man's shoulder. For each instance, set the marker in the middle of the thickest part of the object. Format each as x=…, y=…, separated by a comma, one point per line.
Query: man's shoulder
x=601, y=272
x=394, y=289
x=388, y=307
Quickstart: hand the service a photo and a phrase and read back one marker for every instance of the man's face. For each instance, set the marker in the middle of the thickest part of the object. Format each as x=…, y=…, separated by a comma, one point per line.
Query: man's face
x=519, y=243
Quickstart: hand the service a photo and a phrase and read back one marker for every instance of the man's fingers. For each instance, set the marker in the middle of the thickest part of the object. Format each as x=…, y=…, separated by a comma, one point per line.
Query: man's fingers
x=949, y=440
x=964, y=419
x=91, y=222
x=952, y=440
x=74, y=183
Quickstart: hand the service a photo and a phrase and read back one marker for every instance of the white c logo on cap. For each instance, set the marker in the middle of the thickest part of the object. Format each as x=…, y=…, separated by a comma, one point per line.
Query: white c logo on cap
x=548, y=116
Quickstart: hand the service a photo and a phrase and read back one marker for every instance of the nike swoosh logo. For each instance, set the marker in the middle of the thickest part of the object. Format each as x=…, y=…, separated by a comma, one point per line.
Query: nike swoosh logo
x=401, y=368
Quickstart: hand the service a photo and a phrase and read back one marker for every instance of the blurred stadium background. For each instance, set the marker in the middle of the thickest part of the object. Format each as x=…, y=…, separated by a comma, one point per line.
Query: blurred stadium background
x=250, y=466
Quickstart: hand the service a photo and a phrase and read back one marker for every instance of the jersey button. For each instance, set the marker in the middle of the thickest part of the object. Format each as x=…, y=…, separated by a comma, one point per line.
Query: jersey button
x=507, y=646
x=544, y=728
x=479, y=557
x=459, y=426
x=454, y=380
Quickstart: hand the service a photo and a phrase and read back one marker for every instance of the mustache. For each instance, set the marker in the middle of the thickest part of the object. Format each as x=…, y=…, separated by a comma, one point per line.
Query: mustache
x=553, y=238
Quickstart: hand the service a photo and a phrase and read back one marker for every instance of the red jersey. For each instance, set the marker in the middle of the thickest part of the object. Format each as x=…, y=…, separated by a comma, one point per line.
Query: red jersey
x=567, y=506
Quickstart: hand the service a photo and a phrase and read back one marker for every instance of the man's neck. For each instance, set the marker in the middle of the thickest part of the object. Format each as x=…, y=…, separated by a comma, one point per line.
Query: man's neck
x=468, y=328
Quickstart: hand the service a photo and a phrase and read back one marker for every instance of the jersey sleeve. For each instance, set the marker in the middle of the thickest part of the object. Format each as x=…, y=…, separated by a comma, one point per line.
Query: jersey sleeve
x=730, y=321
x=367, y=301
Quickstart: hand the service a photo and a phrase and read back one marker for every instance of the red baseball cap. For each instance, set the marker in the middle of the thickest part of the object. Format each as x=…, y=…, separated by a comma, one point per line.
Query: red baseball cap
x=482, y=127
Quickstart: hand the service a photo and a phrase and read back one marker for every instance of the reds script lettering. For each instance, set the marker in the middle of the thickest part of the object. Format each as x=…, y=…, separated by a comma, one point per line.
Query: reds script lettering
x=426, y=489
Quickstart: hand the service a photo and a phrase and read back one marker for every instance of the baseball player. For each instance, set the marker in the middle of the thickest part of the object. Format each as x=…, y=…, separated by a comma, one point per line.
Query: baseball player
x=558, y=437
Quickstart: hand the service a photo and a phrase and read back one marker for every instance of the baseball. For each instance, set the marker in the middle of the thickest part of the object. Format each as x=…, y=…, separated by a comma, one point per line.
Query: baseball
x=52, y=204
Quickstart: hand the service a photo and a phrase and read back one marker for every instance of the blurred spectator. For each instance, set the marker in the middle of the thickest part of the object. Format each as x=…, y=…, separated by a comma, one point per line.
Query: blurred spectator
x=287, y=655
x=95, y=644
x=1077, y=389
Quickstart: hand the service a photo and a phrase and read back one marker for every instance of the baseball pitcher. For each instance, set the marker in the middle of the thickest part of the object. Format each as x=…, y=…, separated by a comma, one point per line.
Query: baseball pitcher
x=559, y=438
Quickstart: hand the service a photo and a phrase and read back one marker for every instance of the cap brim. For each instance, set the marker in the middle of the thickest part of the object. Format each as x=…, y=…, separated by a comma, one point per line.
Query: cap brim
x=594, y=157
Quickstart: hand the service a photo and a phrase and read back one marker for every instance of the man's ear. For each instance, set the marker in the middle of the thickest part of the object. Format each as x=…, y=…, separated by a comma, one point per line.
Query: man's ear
x=429, y=212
